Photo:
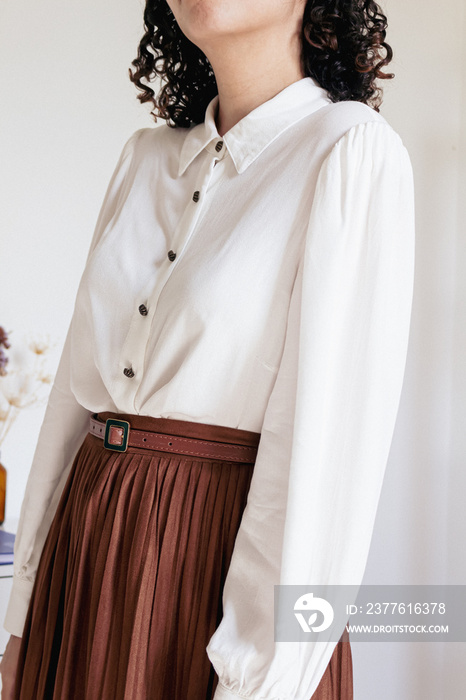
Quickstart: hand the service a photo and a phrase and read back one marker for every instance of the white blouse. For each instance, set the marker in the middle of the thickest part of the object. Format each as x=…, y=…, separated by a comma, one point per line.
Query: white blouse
x=283, y=308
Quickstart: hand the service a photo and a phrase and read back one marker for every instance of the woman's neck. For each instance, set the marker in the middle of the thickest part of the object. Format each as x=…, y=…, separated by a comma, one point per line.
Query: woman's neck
x=251, y=71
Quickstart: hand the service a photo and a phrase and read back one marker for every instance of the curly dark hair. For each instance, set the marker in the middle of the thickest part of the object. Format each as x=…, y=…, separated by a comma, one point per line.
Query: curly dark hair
x=343, y=49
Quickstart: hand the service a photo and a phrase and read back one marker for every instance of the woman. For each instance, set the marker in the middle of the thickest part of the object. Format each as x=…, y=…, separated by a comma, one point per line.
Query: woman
x=245, y=312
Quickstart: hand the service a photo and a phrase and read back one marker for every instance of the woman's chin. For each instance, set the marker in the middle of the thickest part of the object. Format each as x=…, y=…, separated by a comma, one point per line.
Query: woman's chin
x=204, y=21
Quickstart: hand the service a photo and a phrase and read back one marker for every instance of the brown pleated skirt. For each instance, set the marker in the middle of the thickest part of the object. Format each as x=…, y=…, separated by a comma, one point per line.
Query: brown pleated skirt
x=129, y=586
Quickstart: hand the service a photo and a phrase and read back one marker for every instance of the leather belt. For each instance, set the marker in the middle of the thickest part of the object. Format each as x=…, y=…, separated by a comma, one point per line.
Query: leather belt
x=118, y=436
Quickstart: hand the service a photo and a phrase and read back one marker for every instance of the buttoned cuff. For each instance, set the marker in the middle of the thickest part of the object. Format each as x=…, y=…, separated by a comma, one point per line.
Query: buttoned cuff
x=18, y=605
x=222, y=693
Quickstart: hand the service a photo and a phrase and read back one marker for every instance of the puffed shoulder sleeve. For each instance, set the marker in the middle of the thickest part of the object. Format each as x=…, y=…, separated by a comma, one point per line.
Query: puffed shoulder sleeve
x=330, y=418
x=63, y=429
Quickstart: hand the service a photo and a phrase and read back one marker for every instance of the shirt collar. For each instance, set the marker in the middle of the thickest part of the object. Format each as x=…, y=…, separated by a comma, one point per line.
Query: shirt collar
x=246, y=140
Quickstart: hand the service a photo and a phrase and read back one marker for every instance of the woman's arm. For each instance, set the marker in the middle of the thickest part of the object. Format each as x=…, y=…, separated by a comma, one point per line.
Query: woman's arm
x=330, y=419
x=63, y=429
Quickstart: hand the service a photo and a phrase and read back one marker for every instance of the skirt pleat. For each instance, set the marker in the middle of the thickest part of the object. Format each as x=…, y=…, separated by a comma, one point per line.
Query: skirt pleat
x=129, y=586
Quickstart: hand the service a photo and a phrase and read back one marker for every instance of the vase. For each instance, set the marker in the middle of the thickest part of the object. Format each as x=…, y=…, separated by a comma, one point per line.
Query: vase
x=2, y=492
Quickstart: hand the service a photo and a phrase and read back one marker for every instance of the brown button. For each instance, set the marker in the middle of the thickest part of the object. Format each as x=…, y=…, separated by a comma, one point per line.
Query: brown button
x=171, y=255
x=196, y=196
x=143, y=310
x=218, y=146
x=128, y=372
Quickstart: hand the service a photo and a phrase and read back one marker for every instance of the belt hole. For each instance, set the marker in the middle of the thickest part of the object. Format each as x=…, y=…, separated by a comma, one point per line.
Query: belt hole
x=170, y=443
x=144, y=439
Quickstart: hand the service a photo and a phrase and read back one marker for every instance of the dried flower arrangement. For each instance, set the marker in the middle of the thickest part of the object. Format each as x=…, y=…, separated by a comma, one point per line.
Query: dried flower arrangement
x=24, y=383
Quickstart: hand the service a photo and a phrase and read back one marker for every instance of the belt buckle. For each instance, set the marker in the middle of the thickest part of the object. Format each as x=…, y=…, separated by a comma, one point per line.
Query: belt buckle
x=116, y=435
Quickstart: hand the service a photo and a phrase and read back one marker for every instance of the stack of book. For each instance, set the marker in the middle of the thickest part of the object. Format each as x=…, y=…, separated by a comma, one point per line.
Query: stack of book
x=7, y=540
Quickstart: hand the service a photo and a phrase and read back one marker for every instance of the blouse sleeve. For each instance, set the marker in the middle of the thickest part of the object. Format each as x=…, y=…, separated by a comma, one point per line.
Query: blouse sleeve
x=330, y=418
x=63, y=429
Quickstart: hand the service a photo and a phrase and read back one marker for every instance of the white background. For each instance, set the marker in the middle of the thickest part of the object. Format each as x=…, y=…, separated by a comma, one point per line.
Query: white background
x=67, y=107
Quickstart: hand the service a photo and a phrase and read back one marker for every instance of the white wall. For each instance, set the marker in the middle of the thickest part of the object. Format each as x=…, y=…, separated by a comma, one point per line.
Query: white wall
x=68, y=107
x=421, y=523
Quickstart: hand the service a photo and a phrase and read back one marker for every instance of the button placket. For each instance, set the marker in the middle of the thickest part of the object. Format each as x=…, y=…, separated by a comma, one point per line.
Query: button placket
x=183, y=233
x=196, y=196
x=189, y=220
